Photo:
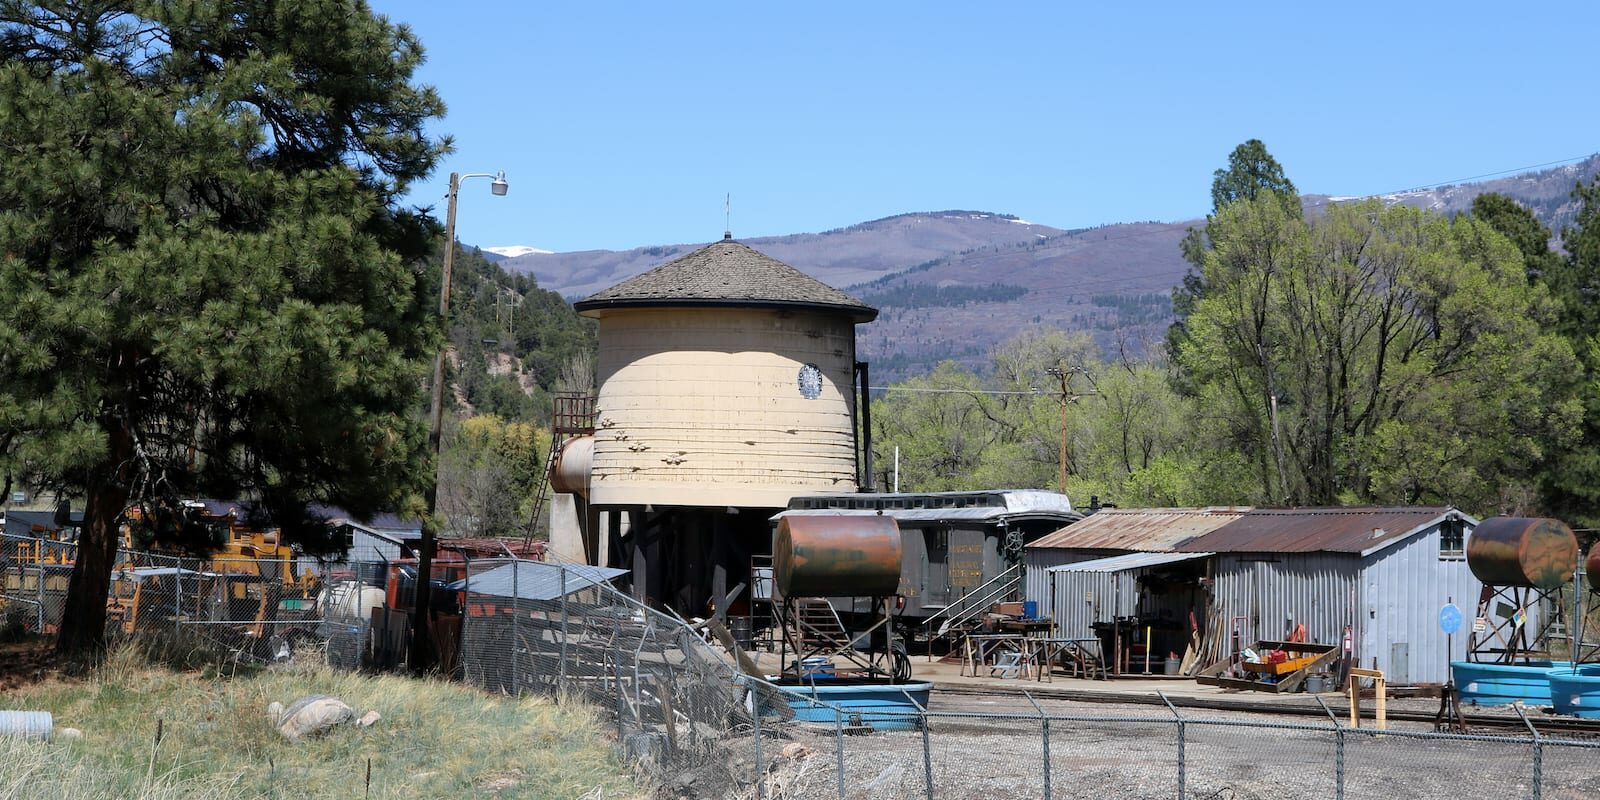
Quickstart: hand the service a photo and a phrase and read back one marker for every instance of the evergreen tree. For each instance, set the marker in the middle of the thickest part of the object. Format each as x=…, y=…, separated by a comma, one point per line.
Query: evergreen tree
x=207, y=287
x=1571, y=485
x=1251, y=171
x=1518, y=223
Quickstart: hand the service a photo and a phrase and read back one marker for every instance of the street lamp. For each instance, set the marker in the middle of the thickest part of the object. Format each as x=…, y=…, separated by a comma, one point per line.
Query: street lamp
x=421, y=622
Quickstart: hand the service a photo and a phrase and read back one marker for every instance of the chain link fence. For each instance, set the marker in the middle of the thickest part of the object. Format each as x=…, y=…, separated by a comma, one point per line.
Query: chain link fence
x=684, y=710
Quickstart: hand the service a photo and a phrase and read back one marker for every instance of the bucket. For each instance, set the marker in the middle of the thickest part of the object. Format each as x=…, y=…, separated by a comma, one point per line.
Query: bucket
x=27, y=724
x=1170, y=666
x=1317, y=682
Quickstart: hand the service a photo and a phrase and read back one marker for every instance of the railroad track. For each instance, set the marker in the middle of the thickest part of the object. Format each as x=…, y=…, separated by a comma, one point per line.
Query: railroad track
x=1547, y=725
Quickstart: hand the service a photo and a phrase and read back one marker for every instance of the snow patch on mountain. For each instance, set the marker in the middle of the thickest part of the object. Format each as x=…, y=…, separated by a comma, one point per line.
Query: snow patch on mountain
x=515, y=250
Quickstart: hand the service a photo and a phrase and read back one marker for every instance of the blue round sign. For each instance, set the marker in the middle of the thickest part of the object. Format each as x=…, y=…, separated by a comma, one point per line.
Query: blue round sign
x=1450, y=618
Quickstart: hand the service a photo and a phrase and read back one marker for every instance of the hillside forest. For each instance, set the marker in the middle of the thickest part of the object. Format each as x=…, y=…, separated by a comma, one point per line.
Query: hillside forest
x=512, y=345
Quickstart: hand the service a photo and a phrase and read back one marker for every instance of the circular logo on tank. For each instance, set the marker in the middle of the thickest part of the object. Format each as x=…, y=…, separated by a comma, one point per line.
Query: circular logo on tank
x=810, y=382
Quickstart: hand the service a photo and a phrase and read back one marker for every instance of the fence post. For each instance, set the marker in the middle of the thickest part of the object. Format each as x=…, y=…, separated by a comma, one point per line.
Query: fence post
x=463, y=652
x=177, y=596
x=927, y=743
x=1183, y=777
x=616, y=688
x=1338, y=750
x=838, y=744
x=1538, y=753
x=516, y=626
x=760, y=763
x=1044, y=732
x=561, y=666
x=38, y=588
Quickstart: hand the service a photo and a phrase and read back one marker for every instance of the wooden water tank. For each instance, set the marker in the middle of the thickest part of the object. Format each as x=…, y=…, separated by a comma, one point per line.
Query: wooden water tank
x=1522, y=551
x=725, y=380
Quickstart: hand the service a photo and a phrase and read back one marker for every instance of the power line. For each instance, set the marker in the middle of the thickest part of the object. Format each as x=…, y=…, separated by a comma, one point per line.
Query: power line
x=1030, y=392
x=1511, y=171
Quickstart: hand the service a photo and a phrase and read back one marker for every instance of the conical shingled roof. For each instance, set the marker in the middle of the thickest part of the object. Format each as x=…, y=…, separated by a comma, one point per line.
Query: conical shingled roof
x=726, y=273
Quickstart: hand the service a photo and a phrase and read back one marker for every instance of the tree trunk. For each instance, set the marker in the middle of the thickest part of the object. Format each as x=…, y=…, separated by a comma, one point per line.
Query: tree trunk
x=82, y=636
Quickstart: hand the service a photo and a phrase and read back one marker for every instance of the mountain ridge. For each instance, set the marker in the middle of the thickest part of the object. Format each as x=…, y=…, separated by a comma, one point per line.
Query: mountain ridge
x=952, y=284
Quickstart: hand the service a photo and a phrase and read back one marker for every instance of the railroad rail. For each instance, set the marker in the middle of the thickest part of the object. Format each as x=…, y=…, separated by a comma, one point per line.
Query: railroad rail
x=1546, y=724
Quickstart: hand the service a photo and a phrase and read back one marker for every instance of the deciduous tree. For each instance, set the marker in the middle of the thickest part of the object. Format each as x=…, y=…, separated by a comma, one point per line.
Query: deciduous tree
x=1377, y=354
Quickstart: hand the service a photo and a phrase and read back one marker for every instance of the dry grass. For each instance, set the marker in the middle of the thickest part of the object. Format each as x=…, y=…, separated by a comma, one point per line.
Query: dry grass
x=436, y=739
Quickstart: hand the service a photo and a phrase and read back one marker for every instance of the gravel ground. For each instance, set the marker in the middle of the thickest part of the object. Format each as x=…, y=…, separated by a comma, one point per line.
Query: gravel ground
x=1227, y=756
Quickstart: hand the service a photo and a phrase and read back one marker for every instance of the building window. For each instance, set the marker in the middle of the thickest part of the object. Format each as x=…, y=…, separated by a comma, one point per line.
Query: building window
x=1452, y=539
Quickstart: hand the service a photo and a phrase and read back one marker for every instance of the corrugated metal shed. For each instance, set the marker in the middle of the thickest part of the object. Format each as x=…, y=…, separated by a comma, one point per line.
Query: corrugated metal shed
x=530, y=580
x=1145, y=529
x=1105, y=589
x=1314, y=530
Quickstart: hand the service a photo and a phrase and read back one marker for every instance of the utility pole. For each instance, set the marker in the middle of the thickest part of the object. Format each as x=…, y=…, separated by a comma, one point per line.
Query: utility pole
x=422, y=657
x=1064, y=373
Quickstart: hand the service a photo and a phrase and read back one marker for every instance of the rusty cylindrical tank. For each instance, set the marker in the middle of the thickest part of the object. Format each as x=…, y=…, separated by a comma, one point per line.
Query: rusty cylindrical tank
x=837, y=555
x=1522, y=551
x=570, y=473
x=1591, y=567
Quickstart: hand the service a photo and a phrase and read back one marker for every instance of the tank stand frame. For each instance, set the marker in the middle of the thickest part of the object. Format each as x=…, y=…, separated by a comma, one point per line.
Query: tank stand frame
x=872, y=661
x=1505, y=639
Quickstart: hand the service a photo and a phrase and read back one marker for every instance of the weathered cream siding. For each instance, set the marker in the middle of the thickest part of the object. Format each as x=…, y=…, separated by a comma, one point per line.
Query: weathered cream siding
x=703, y=406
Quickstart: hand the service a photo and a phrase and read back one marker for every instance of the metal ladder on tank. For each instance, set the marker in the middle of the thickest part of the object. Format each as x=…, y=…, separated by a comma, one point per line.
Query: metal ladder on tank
x=572, y=414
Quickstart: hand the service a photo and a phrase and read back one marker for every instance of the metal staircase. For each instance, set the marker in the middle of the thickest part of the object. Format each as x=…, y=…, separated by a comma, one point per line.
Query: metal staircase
x=967, y=611
x=816, y=627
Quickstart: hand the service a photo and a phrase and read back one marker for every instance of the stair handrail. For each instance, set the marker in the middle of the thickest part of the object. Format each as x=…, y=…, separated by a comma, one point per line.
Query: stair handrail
x=971, y=604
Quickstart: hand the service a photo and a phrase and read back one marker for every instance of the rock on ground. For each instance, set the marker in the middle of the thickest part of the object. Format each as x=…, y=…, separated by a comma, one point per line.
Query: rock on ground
x=309, y=716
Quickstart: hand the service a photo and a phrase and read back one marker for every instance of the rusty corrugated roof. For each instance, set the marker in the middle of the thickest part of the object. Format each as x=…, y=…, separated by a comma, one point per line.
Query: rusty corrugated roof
x=1313, y=530
x=1139, y=529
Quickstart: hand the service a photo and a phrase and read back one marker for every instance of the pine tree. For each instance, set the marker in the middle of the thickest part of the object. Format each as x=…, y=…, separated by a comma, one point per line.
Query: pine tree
x=1571, y=485
x=207, y=285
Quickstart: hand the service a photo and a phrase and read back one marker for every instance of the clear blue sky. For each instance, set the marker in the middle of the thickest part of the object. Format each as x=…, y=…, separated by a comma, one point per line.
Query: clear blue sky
x=623, y=124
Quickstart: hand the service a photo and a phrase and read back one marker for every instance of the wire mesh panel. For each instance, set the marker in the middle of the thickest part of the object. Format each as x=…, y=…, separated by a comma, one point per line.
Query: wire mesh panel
x=1424, y=765
x=1569, y=770
x=1135, y=757
x=34, y=573
x=1235, y=758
